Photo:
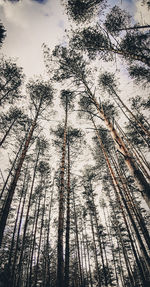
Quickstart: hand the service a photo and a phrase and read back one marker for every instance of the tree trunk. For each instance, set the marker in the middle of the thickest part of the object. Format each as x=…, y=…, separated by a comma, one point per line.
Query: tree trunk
x=34, y=240
x=77, y=240
x=11, y=169
x=67, y=252
x=27, y=218
x=143, y=185
x=7, y=132
x=15, y=179
x=60, y=259
x=24, y=190
x=39, y=245
x=14, y=265
x=111, y=90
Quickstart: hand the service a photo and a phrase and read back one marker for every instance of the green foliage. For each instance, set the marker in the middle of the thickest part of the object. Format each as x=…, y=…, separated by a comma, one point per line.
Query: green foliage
x=67, y=98
x=83, y=10
x=137, y=43
x=140, y=74
x=91, y=40
x=117, y=19
x=43, y=168
x=70, y=65
x=107, y=81
x=40, y=92
x=11, y=79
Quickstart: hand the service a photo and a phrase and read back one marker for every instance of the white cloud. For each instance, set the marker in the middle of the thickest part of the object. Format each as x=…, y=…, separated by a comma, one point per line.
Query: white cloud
x=28, y=25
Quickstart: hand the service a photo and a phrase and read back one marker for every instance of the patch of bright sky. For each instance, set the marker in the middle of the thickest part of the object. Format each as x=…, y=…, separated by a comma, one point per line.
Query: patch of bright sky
x=29, y=24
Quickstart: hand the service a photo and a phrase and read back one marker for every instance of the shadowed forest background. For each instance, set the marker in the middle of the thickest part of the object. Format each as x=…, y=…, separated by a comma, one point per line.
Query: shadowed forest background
x=74, y=149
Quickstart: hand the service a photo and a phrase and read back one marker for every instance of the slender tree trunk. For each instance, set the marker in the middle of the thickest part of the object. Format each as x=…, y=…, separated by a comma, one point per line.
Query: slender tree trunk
x=6, y=94
x=15, y=179
x=67, y=252
x=99, y=240
x=141, y=160
x=77, y=240
x=33, y=233
x=135, y=28
x=60, y=259
x=112, y=91
x=95, y=252
x=48, y=267
x=11, y=169
x=39, y=245
x=88, y=255
x=8, y=131
x=34, y=240
x=112, y=246
x=84, y=251
x=24, y=190
x=14, y=265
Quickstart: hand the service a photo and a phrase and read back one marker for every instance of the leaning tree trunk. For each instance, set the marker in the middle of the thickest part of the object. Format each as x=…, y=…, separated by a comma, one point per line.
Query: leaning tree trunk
x=112, y=91
x=12, y=167
x=7, y=132
x=143, y=185
x=13, y=184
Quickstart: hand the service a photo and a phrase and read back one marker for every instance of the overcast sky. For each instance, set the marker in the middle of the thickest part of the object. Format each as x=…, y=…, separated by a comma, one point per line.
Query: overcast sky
x=30, y=23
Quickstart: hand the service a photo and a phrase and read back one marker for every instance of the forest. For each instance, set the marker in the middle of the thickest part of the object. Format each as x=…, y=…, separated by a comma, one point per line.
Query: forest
x=75, y=186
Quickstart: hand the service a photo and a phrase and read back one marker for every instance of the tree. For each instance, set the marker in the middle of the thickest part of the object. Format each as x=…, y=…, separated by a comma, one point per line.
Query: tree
x=66, y=97
x=41, y=96
x=11, y=79
x=73, y=136
x=119, y=20
x=83, y=10
x=107, y=81
x=140, y=74
x=12, y=120
x=2, y=33
x=96, y=41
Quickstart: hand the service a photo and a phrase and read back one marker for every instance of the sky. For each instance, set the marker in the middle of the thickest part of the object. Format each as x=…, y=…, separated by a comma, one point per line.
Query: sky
x=30, y=23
